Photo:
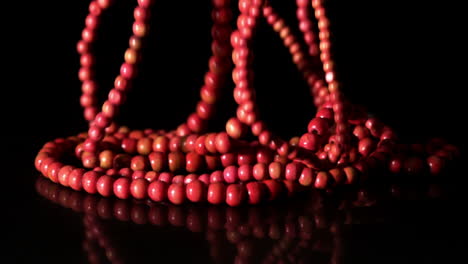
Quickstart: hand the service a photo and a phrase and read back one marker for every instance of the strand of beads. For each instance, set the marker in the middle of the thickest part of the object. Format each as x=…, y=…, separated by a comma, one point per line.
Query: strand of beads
x=223, y=167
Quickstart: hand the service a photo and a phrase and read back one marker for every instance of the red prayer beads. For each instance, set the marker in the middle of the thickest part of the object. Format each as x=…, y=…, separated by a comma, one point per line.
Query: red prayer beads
x=340, y=146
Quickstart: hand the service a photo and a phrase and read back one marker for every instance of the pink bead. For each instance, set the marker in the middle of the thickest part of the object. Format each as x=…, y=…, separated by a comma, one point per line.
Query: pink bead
x=293, y=171
x=309, y=141
x=366, y=146
x=157, y=191
x=275, y=189
x=216, y=176
x=276, y=171
x=75, y=178
x=89, y=181
x=176, y=193
x=235, y=194
x=260, y=171
x=196, y=191
x=256, y=192
x=122, y=188
x=63, y=174
x=205, y=178
x=306, y=178
x=321, y=180
x=244, y=172
x=319, y=126
x=127, y=71
x=139, y=188
x=230, y=174
x=178, y=179
x=228, y=159
x=145, y=3
x=165, y=177
x=436, y=164
x=105, y=185
x=216, y=193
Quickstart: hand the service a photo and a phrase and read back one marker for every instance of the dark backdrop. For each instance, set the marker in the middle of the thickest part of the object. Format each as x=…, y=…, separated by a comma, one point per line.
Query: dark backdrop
x=401, y=59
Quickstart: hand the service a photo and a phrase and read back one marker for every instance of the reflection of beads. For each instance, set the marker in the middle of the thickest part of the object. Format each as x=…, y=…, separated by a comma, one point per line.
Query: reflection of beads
x=341, y=145
x=297, y=229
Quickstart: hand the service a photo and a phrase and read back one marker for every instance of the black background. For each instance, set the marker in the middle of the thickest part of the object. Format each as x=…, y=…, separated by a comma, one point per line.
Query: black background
x=403, y=61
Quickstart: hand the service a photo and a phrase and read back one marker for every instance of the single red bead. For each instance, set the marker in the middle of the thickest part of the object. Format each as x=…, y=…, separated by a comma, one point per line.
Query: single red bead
x=216, y=176
x=139, y=188
x=45, y=165
x=436, y=164
x=64, y=173
x=228, y=159
x=53, y=171
x=75, y=178
x=210, y=143
x=361, y=132
x=275, y=189
x=230, y=174
x=145, y=3
x=321, y=180
x=309, y=141
x=366, y=146
x=234, y=128
x=260, y=171
x=116, y=97
x=216, y=193
x=244, y=172
x=212, y=162
x=140, y=14
x=351, y=174
x=196, y=191
x=290, y=187
x=122, y=188
x=176, y=161
x=264, y=155
x=338, y=175
x=255, y=192
x=276, y=171
x=190, y=178
x=245, y=157
x=139, y=163
x=89, y=181
x=176, y=193
x=161, y=144
x=138, y=175
x=235, y=194
x=104, y=185
x=223, y=142
x=293, y=171
x=89, y=160
x=318, y=125
x=166, y=177
x=307, y=177
x=129, y=145
x=195, y=123
x=395, y=165
x=144, y=145
x=194, y=162
x=178, y=179
x=205, y=178
x=157, y=191
x=158, y=161
x=151, y=176
x=204, y=110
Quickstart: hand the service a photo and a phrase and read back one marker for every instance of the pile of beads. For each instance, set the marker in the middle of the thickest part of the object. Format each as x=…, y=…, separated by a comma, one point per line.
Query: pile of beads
x=341, y=146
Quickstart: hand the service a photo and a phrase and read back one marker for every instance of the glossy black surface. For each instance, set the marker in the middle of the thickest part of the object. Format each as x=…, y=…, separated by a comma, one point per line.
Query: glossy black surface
x=399, y=60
